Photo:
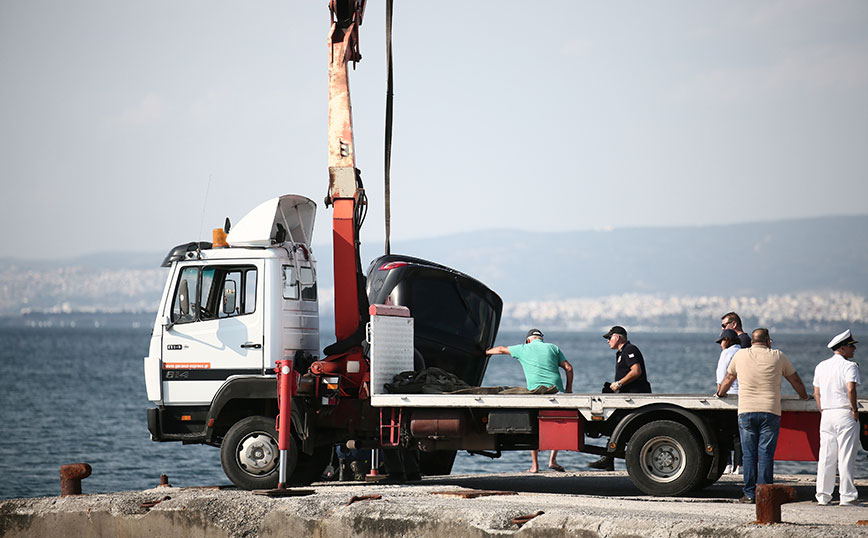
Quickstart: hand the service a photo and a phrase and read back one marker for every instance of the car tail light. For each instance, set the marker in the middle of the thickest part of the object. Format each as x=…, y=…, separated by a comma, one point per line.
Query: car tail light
x=392, y=265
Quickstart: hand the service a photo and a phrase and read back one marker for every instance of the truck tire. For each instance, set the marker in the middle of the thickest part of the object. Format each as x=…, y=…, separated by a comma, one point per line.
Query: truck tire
x=664, y=458
x=250, y=455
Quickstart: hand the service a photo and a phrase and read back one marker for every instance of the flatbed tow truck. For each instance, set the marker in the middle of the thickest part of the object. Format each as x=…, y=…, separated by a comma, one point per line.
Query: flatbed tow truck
x=234, y=309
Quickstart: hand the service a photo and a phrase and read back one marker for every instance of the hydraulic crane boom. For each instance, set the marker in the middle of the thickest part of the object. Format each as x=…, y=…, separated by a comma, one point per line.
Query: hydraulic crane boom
x=346, y=191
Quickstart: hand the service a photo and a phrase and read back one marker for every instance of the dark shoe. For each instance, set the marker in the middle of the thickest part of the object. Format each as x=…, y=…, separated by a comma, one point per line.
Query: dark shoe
x=606, y=463
x=746, y=500
x=330, y=473
x=359, y=470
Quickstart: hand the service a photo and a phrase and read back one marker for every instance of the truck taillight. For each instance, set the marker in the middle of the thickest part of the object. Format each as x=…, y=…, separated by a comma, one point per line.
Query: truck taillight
x=392, y=265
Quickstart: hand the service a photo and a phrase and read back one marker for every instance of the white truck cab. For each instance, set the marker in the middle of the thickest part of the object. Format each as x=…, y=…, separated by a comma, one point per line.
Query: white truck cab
x=227, y=313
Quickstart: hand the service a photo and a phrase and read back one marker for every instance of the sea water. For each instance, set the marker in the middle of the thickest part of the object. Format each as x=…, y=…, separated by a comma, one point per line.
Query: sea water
x=71, y=395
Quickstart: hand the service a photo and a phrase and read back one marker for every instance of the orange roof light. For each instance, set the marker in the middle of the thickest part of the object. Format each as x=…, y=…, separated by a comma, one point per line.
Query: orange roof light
x=218, y=238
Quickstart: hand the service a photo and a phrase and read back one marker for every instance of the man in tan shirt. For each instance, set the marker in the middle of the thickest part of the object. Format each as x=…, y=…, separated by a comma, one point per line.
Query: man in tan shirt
x=759, y=370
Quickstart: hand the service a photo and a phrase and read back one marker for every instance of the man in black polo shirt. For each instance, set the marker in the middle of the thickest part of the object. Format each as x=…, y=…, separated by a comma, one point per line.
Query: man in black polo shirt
x=630, y=376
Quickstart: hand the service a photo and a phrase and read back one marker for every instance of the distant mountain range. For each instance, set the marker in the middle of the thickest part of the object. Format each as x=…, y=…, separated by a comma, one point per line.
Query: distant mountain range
x=761, y=258
x=819, y=255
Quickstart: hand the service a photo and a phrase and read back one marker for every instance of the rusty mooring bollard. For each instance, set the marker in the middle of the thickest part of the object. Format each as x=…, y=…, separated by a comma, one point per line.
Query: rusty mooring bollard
x=164, y=482
x=769, y=498
x=71, y=476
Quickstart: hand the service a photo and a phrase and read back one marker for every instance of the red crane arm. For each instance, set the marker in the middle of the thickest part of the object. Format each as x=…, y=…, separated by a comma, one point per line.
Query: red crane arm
x=346, y=192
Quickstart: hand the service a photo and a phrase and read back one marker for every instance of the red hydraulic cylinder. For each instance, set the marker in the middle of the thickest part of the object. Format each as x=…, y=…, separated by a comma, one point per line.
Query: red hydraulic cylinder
x=285, y=392
x=346, y=283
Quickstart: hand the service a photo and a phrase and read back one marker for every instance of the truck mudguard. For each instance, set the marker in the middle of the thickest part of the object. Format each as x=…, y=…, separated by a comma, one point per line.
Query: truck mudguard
x=257, y=388
x=629, y=424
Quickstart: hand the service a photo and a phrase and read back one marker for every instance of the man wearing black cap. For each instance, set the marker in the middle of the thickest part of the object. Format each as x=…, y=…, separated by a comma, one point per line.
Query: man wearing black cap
x=835, y=381
x=630, y=376
x=729, y=345
x=541, y=363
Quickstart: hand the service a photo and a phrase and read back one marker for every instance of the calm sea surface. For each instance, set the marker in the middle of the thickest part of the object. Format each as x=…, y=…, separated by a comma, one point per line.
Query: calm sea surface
x=72, y=395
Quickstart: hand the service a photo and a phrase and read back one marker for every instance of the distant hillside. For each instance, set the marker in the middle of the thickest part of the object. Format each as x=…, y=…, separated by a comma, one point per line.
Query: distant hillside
x=823, y=255
x=791, y=256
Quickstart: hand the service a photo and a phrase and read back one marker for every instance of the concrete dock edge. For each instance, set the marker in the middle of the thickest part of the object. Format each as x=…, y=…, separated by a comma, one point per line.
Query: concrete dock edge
x=569, y=510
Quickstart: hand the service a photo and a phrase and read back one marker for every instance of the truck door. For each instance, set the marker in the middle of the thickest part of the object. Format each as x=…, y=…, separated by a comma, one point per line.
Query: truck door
x=215, y=330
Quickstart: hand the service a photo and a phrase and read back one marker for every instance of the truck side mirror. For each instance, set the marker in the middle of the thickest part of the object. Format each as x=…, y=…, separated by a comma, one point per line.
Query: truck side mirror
x=184, y=299
x=229, y=298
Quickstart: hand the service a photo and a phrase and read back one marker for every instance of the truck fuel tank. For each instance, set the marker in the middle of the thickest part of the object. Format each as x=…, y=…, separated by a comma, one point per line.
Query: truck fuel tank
x=438, y=423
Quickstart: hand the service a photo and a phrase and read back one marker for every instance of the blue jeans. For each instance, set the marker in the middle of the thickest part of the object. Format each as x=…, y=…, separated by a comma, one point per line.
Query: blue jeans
x=759, y=438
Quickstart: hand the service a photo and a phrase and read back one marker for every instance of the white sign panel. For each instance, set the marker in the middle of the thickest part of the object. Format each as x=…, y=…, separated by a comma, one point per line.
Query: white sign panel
x=391, y=341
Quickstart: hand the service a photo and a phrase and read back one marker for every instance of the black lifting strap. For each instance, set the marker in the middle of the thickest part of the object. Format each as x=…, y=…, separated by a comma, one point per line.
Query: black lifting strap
x=388, y=143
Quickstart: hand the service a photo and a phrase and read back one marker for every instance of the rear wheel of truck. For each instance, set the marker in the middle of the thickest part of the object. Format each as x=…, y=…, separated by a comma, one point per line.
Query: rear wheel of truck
x=664, y=459
x=250, y=454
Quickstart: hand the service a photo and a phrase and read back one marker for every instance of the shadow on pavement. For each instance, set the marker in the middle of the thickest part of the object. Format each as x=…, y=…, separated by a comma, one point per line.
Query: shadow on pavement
x=615, y=484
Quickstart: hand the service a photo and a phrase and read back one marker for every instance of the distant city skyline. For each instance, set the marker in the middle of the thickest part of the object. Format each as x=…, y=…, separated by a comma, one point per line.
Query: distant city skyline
x=138, y=126
x=744, y=261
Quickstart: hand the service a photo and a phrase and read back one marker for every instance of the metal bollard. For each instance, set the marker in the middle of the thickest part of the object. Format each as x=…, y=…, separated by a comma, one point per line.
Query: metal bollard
x=71, y=476
x=769, y=498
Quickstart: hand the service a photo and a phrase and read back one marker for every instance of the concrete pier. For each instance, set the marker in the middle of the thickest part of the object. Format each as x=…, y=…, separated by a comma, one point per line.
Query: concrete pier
x=586, y=504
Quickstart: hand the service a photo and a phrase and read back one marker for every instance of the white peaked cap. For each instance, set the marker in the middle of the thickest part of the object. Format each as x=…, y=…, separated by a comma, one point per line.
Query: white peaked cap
x=845, y=337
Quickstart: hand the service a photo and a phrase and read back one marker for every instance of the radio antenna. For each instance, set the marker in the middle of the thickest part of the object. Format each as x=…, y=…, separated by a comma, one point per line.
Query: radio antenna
x=202, y=222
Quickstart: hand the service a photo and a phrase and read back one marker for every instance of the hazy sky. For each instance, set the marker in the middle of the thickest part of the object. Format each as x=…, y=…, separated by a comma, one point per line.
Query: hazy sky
x=535, y=115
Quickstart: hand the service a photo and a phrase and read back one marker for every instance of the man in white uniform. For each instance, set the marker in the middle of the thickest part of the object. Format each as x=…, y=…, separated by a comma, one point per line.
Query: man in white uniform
x=835, y=381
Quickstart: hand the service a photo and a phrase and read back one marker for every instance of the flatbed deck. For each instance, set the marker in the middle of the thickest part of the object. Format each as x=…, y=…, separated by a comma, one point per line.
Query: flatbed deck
x=588, y=405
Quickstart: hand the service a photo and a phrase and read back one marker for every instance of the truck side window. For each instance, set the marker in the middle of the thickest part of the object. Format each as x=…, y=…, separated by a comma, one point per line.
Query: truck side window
x=290, y=283
x=207, y=309
x=185, y=303
x=249, y=291
x=308, y=284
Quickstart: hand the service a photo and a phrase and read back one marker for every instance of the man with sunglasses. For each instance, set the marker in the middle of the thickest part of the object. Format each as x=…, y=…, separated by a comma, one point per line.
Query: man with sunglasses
x=731, y=320
x=835, y=381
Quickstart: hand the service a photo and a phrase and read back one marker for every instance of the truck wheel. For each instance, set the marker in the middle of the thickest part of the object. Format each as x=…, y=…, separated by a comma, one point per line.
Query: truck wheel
x=250, y=454
x=436, y=463
x=664, y=459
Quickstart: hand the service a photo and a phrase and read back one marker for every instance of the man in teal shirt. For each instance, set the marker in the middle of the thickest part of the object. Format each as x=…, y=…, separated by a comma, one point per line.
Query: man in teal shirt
x=541, y=363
